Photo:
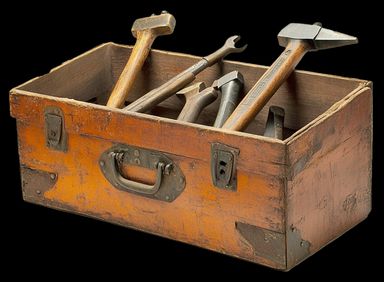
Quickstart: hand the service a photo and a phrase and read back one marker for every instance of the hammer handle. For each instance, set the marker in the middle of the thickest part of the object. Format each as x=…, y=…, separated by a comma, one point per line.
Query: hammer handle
x=135, y=62
x=266, y=86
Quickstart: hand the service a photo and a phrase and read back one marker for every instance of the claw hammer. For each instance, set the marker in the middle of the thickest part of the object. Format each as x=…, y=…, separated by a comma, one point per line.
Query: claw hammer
x=297, y=39
x=145, y=30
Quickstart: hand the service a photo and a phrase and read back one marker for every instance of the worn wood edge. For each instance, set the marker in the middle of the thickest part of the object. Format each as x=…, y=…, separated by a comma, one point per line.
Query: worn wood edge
x=64, y=64
x=336, y=107
x=143, y=116
x=289, y=267
x=180, y=54
x=61, y=207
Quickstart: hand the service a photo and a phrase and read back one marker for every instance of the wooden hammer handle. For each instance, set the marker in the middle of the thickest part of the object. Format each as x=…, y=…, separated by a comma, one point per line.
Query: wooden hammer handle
x=135, y=62
x=266, y=86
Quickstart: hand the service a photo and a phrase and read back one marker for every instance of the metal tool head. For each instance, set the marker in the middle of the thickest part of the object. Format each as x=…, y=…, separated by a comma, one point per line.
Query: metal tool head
x=318, y=37
x=191, y=90
x=162, y=24
x=233, y=75
x=230, y=44
x=228, y=48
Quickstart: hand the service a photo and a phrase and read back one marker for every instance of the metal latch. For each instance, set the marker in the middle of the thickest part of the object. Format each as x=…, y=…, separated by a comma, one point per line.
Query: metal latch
x=55, y=135
x=223, y=166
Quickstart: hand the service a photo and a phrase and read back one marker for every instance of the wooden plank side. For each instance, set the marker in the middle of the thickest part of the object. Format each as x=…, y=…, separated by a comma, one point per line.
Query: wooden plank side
x=263, y=156
x=304, y=96
x=330, y=187
x=82, y=78
x=202, y=215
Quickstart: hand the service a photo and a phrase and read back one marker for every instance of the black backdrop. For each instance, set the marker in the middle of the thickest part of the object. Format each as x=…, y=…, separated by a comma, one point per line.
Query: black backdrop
x=37, y=37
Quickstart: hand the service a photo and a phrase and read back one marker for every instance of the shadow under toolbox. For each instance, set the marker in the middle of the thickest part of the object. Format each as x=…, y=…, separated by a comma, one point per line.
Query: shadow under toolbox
x=257, y=198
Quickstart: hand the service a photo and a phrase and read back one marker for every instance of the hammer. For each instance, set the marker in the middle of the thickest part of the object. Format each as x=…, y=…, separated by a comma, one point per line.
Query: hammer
x=159, y=94
x=145, y=30
x=297, y=39
x=196, y=99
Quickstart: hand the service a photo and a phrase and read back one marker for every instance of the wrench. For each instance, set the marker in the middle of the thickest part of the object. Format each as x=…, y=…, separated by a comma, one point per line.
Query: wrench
x=157, y=95
x=196, y=99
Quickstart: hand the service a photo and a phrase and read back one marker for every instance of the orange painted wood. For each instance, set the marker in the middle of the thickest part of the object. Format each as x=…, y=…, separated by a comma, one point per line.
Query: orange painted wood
x=319, y=176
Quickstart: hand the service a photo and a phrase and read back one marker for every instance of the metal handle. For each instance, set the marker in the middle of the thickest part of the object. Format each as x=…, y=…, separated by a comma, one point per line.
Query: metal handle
x=169, y=183
x=115, y=160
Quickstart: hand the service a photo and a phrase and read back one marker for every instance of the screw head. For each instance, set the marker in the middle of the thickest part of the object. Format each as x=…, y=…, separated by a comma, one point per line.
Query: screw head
x=52, y=176
x=38, y=192
x=167, y=198
x=102, y=163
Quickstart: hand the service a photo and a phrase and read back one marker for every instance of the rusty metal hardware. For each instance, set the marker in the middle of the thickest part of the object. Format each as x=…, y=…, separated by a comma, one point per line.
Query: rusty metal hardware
x=297, y=39
x=275, y=123
x=157, y=95
x=36, y=182
x=223, y=166
x=170, y=181
x=196, y=99
x=55, y=135
x=265, y=243
x=230, y=86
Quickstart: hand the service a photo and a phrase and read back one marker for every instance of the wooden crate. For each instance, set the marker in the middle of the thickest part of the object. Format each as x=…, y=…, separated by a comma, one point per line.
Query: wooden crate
x=289, y=199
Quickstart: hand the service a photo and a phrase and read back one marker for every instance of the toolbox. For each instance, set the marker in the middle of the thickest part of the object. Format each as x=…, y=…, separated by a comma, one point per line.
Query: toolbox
x=269, y=201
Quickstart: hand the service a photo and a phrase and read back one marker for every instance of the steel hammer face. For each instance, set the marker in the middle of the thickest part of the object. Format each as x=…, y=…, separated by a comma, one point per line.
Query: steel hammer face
x=318, y=37
x=162, y=24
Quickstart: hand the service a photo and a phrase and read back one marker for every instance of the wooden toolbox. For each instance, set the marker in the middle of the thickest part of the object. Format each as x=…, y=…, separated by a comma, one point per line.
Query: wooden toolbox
x=260, y=199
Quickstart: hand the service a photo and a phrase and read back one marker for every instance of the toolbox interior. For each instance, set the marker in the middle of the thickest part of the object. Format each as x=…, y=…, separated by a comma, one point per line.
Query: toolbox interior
x=91, y=77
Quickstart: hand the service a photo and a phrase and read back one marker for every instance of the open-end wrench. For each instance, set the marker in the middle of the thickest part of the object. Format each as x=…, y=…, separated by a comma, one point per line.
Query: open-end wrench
x=297, y=39
x=196, y=99
x=157, y=95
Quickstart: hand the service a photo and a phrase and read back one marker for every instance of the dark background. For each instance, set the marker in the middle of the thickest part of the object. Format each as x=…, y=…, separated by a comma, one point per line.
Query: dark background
x=38, y=37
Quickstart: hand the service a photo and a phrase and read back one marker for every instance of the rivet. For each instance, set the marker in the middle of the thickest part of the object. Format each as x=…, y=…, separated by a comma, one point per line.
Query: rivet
x=52, y=176
x=302, y=244
x=167, y=197
x=38, y=192
x=136, y=153
x=102, y=163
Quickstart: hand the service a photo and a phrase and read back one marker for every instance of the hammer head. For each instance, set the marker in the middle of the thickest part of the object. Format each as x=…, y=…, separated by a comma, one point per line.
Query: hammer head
x=162, y=24
x=318, y=38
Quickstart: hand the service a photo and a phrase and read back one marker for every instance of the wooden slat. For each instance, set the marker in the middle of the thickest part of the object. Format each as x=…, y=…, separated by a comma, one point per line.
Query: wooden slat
x=330, y=172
